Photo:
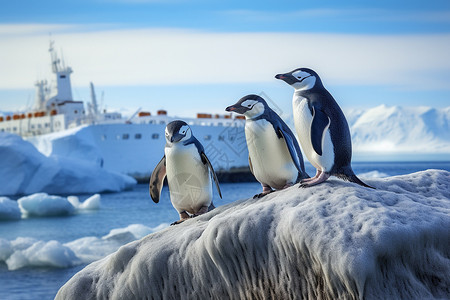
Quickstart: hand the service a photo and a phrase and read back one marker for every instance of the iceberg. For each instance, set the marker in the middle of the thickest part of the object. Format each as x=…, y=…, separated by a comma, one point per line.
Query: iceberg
x=9, y=209
x=333, y=241
x=24, y=170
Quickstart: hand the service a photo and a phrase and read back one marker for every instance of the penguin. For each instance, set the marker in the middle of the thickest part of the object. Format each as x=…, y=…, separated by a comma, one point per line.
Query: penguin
x=275, y=158
x=189, y=173
x=322, y=128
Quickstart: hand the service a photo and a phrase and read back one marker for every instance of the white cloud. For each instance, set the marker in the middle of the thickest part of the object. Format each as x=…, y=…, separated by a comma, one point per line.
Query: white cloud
x=168, y=56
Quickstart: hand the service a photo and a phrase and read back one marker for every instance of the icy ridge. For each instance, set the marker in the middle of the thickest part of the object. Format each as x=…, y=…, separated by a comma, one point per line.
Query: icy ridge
x=334, y=241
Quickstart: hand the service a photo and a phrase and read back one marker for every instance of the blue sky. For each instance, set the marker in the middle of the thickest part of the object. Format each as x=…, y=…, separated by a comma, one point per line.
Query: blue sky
x=201, y=56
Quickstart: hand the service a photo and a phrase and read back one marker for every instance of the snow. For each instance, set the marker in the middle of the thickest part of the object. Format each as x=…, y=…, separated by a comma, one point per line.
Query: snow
x=400, y=129
x=28, y=252
x=26, y=171
x=9, y=209
x=336, y=240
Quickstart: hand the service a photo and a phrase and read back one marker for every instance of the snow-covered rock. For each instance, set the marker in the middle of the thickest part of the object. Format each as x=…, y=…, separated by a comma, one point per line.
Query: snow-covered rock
x=336, y=240
x=9, y=209
x=400, y=129
x=28, y=252
x=24, y=170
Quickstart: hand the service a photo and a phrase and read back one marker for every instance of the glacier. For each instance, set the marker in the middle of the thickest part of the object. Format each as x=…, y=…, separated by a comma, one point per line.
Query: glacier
x=398, y=129
x=24, y=170
x=333, y=241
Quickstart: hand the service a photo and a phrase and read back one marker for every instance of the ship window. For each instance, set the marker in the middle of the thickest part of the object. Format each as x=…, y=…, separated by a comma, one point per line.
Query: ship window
x=14, y=128
x=103, y=137
x=75, y=111
x=62, y=76
x=125, y=136
x=3, y=130
x=155, y=136
x=32, y=126
x=162, y=122
x=47, y=125
x=221, y=138
x=39, y=126
x=138, y=136
x=207, y=137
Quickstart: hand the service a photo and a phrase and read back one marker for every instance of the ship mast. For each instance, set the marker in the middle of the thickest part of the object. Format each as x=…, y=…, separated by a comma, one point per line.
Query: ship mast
x=63, y=85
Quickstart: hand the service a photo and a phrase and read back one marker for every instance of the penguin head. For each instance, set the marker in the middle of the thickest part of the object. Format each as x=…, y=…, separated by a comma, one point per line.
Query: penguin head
x=301, y=79
x=251, y=106
x=177, y=131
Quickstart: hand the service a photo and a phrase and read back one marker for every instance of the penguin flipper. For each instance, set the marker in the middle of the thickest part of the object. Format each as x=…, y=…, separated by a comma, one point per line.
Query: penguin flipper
x=320, y=123
x=294, y=150
x=208, y=163
x=250, y=165
x=157, y=180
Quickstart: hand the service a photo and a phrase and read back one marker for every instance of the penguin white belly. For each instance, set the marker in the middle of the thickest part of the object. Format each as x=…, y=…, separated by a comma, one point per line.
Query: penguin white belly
x=271, y=161
x=303, y=120
x=189, y=179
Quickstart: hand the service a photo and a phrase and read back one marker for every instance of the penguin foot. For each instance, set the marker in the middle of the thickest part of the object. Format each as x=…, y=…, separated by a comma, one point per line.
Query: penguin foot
x=201, y=211
x=178, y=222
x=183, y=217
x=323, y=176
x=263, y=194
x=287, y=185
x=318, y=172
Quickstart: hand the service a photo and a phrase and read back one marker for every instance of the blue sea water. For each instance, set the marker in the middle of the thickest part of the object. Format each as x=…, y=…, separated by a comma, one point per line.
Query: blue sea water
x=119, y=210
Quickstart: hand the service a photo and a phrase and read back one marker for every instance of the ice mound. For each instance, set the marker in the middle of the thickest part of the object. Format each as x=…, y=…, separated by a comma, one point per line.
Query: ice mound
x=91, y=203
x=44, y=205
x=9, y=209
x=28, y=252
x=27, y=171
x=336, y=240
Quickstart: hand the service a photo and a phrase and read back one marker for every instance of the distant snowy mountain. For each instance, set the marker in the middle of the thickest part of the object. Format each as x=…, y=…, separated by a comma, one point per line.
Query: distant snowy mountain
x=400, y=129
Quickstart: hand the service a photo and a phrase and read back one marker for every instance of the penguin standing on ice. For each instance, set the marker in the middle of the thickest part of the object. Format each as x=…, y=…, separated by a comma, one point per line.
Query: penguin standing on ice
x=322, y=128
x=275, y=158
x=188, y=170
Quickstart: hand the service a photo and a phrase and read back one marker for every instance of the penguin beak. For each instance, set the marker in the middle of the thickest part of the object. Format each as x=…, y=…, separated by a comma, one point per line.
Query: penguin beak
x=176, y=138
x=237, y=109
x=230, y=108
x=288, y=78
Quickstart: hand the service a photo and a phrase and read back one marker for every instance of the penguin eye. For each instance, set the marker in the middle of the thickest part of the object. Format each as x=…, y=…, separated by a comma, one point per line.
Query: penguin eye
x=183, y=132
x=249, y=105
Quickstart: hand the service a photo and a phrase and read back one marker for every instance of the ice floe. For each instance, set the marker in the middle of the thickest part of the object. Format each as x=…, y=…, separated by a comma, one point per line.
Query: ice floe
x=29, y=252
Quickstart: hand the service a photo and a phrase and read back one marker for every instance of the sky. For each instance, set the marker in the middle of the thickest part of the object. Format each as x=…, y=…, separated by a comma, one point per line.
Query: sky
x=202, y=56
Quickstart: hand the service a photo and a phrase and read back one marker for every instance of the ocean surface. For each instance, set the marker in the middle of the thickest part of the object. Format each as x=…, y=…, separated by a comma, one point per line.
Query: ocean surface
x=119, y=210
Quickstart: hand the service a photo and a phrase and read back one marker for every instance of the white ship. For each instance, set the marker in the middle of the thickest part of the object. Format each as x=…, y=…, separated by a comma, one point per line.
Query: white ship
x=61, y=126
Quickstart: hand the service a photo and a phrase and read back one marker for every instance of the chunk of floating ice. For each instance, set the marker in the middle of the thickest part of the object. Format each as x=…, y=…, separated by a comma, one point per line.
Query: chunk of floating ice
x=44, y=205
x=29, y=252
x=9, y=209
x=91, y=203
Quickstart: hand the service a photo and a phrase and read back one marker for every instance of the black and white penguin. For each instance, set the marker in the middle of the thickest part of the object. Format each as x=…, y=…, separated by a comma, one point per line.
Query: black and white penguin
x=322, y=128
x=188, y=170
x=274, y=155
